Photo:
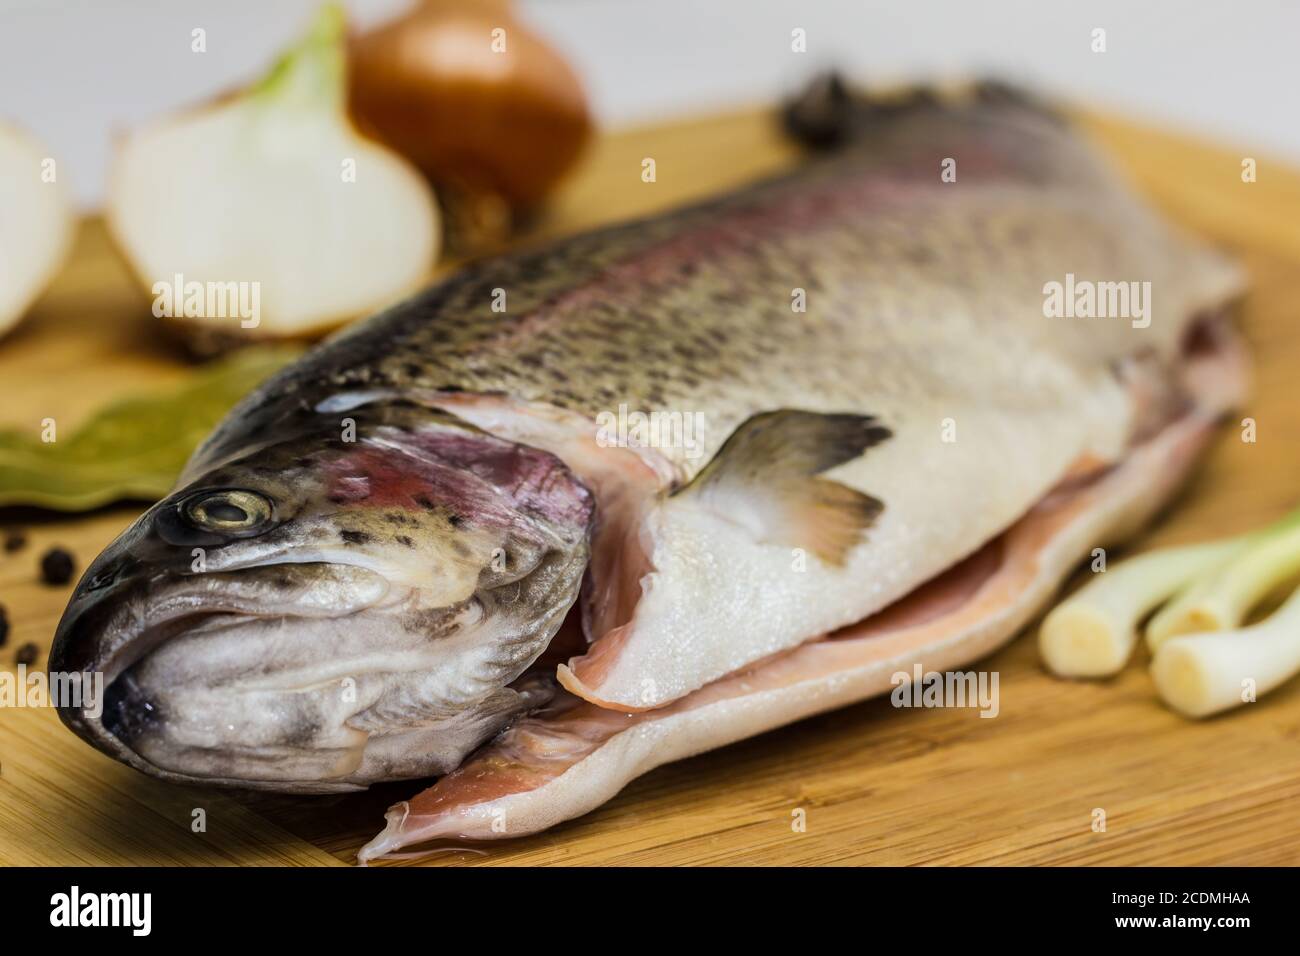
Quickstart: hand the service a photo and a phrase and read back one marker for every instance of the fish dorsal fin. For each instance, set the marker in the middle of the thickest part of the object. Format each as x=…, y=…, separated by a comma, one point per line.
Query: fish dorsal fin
x=768, y=469
x=828, y=114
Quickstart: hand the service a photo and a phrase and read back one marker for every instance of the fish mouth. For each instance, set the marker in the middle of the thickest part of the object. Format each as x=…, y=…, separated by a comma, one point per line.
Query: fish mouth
x=115, y=633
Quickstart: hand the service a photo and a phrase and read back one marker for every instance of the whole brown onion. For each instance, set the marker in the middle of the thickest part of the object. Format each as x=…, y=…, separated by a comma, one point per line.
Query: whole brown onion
x=431, y=86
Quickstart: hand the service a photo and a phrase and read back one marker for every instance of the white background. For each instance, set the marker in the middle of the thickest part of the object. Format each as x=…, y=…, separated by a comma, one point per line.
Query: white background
x=73, y=71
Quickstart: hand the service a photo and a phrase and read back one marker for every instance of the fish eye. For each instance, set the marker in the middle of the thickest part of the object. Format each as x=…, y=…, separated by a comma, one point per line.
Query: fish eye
x=229, y=511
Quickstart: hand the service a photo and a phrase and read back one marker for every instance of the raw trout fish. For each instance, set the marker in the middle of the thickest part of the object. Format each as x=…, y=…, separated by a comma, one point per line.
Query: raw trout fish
x=655, y=506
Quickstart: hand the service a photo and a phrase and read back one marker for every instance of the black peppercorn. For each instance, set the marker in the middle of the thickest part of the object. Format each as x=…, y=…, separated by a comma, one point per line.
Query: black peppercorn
x=57, y=566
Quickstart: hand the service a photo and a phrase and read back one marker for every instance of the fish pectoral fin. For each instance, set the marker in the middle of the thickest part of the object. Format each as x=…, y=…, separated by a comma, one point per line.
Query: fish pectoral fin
x=768, y=469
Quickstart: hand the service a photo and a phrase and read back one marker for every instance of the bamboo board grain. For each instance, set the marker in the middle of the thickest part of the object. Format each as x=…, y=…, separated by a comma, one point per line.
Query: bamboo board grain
x=876, y=785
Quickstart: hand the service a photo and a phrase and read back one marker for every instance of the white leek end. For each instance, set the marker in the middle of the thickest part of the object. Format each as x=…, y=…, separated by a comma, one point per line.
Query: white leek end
x=1202, y=674
x=1225, y=596
x=1093, y=632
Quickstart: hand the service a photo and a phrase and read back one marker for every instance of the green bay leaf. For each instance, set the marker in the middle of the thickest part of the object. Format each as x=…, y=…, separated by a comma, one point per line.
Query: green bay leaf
x=135, y=447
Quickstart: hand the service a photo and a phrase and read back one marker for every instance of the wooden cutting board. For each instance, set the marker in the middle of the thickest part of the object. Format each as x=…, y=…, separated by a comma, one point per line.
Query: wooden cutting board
x=876, y=785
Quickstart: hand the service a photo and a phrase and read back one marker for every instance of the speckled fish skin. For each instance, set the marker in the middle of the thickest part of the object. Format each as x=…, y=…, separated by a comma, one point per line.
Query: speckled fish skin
x=904, y=275
x=924, y=310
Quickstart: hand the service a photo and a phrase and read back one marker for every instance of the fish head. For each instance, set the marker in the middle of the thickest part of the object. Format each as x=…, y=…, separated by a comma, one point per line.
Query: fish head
x=325, y=609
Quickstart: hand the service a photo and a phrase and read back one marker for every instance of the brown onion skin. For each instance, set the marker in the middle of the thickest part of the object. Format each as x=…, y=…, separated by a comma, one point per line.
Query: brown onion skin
x=430, y=86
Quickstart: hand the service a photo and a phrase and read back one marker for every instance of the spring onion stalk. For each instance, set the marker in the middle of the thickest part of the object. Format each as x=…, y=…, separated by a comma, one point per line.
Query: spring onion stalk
x=1223, y=597
x=1092, y=633
x=1202, y=674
